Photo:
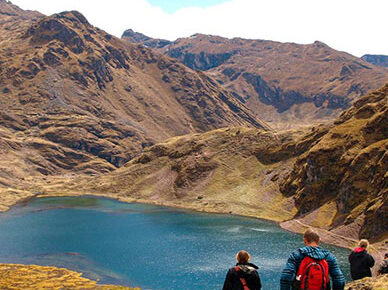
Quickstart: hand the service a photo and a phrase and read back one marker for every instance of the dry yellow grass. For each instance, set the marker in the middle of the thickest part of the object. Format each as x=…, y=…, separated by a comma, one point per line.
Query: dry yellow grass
x=16, y=277
x=376, y=283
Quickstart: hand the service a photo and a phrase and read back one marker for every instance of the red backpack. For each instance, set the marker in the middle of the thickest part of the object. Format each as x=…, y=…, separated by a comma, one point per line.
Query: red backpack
x=242, y=280
x=313, y=274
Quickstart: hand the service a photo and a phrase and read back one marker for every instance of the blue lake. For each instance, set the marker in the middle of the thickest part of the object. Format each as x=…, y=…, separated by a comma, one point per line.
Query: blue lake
x=143, y=245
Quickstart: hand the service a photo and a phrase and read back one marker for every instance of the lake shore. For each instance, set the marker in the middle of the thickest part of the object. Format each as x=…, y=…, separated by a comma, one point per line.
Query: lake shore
x=294, y=225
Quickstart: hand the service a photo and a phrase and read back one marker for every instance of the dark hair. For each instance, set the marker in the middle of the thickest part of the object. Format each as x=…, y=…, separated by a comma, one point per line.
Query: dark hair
x=311, y=236
x=386, y=255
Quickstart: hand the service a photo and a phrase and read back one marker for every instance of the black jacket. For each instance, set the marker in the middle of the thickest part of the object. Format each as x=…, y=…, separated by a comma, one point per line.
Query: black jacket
x=248, y=272
x=360, y=264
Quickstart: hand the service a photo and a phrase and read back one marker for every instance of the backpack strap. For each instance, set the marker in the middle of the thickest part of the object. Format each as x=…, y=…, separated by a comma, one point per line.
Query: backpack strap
x=242, y=280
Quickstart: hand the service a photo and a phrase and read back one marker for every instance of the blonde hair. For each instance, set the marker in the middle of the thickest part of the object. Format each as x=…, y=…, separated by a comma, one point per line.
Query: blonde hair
x=364, y=243
x=311, y=236
x=243, y=257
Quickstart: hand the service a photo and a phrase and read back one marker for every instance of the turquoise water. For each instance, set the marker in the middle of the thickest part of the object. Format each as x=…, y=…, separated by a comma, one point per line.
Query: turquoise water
x=143, y=245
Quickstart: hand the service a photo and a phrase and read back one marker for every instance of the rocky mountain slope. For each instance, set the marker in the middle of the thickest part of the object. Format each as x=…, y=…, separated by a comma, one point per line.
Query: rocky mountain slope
x=76, y=99
x=284, y=83
x=345, y=173
x=216, y=171
x=379, y=60
x=330, y=177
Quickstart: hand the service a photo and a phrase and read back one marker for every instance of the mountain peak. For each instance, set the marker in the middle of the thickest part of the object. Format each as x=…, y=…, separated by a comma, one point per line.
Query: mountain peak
x=64, y=27
x=7, y=8
x=320, y=44
x=137, y=37
x=73, y=16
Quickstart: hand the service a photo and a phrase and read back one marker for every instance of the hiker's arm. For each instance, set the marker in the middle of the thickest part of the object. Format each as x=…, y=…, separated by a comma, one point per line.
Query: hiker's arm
x=228, y=281
x=288, y=274
x=371, y=261
x=335, y=273
x=258, y=281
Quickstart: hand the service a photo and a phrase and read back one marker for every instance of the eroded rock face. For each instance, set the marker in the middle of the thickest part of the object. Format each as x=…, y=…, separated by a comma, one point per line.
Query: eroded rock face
x=202, y=61
x=49, y=29
x=348, y=165
x=379, y=60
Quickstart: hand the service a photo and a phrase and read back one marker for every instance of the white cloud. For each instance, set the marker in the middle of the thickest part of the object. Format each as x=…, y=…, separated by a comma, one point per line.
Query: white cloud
x=355, y=26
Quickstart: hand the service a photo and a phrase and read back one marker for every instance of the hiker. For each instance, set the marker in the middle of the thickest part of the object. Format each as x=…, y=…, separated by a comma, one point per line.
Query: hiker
x=360, y=261
x=244, y=275
x=309, y=267
x=383, y=269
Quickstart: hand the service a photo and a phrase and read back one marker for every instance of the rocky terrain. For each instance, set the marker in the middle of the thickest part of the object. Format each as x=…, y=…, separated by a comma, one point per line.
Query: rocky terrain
x=286, y=84
x=216, y=171
x=15, y=277
x=332, y=177
x=379, y=60
x=83, y=112
x=377, y=283
x=76, y=99
x=345, y=173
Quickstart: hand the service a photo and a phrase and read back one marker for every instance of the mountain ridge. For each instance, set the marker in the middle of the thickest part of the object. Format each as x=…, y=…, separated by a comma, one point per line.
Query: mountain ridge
x=376, y=59
x=284, y=83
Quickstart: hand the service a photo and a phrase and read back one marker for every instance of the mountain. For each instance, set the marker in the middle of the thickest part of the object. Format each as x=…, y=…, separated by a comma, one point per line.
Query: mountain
x=379, y=60
x=345, y=174
x=333, y=177
x=76, y=99
x=284, y=83
x=8, y=11
x=137, y=37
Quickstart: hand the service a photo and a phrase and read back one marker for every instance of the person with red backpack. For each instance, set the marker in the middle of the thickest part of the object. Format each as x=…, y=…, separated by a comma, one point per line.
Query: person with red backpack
x=310, y=267
x=244, y=275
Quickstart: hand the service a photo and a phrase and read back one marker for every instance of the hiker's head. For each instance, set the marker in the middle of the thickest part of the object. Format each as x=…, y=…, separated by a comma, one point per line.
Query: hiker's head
x=364, y=244
x=243, y=257
x=386, y=256
x=311, y=238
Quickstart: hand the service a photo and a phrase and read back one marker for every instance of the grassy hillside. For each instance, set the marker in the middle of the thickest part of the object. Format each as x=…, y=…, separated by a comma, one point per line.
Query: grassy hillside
x=347, y=170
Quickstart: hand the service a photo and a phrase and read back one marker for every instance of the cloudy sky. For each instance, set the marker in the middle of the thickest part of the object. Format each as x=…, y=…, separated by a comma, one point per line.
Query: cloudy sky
x=355, y=26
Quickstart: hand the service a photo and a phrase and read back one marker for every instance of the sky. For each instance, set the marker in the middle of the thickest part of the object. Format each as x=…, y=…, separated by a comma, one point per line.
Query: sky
x=355, y=26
